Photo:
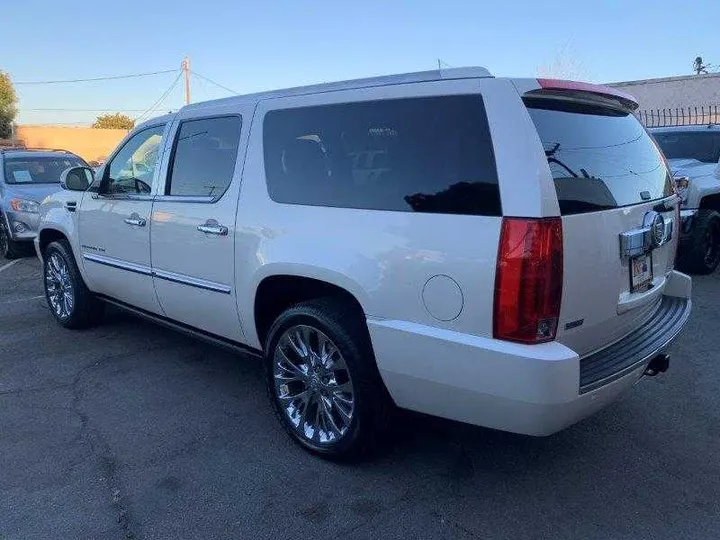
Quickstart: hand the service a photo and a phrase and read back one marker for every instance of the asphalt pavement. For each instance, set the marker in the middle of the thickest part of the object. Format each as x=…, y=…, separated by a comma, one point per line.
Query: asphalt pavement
x=129, y=430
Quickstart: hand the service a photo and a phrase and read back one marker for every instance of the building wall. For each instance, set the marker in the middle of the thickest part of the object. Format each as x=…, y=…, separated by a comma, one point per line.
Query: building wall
x=89, y=143
x=675, y=92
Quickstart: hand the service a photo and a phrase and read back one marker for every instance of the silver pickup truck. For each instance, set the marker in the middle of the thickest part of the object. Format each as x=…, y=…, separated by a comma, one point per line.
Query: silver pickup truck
x=693, y=153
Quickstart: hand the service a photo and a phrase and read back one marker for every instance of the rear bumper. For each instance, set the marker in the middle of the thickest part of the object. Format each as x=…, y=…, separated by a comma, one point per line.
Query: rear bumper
x=636, y=349
x=530, y=389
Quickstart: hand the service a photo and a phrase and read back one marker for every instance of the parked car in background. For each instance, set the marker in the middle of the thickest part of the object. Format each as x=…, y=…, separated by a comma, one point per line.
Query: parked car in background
x=494, y=251
x=26, y=178
x=694, y=153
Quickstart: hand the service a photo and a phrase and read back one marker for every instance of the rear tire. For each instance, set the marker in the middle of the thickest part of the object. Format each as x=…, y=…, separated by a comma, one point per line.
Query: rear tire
x=70, y=301
x=701, y=254
x=9, y=248
x=323, y=382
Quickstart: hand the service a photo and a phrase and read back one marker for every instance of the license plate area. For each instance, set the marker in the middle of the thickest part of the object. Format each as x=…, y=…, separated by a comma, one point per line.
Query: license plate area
x=641, y=273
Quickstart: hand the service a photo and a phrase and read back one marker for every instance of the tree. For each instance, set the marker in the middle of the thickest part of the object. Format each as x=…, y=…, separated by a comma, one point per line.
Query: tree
x=8, y=105
x=565, y=65
x=114, y=121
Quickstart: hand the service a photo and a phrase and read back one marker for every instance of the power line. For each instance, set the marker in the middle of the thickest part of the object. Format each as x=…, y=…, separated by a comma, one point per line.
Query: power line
x=161, y=98
x=213, y=82
x=82, y=110
x=114, y=77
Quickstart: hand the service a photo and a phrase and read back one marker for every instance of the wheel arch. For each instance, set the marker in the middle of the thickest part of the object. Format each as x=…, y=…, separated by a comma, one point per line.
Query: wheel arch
x=284, y=287
x=48, y=235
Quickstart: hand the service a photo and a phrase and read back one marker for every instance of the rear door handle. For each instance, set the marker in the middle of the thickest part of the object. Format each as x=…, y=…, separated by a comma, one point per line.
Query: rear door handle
x=136, y=220
x=213, y=227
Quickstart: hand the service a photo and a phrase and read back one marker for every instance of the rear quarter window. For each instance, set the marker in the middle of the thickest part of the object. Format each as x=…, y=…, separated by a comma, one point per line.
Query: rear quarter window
x=429, y=155
x=600, y=158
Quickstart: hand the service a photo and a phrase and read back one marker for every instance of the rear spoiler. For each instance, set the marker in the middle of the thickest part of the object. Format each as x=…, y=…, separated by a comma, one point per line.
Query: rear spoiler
x=583, y=91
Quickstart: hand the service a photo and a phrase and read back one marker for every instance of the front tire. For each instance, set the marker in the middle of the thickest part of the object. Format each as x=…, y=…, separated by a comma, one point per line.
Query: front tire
x=322, y=379
x=702, y=253
x=9, y=248
x=69, y=299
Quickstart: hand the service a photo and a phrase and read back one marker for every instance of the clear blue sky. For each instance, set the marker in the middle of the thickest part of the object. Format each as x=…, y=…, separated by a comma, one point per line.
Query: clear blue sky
x=250, y=46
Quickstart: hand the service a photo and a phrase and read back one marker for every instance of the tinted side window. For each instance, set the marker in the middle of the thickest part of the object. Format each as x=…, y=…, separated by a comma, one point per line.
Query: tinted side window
x=702, y=146
x=414, y=155
x=204, y=157
x=132, y=169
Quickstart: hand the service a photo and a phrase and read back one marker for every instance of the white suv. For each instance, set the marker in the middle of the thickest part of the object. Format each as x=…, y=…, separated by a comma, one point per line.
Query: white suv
x=495, y=251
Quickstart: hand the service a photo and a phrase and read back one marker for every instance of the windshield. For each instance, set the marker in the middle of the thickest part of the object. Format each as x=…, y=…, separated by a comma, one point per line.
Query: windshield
x=703, y=146
x=38, y=170
x=600, y=158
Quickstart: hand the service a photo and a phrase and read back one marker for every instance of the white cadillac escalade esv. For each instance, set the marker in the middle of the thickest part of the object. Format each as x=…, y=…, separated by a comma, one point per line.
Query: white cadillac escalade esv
x=495, y=251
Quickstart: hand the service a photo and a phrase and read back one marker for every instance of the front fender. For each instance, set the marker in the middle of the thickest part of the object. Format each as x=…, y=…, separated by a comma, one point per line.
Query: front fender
x=701, y=186
x=55, y=216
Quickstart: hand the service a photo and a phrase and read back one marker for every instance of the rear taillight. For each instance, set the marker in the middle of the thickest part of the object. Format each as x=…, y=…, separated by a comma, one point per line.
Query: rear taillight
x=528, y=280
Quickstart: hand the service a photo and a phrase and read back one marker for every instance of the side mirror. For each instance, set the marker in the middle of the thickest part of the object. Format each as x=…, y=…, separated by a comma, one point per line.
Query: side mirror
x=77, y=178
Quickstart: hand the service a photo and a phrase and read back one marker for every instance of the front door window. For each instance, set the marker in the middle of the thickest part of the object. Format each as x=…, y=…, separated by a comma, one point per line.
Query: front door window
x=131, y=170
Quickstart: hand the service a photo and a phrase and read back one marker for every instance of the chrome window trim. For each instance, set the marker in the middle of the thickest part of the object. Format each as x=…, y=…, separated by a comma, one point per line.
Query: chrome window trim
x=187, y=199
x=124, y=197
x=115, y=263
x=193, y=282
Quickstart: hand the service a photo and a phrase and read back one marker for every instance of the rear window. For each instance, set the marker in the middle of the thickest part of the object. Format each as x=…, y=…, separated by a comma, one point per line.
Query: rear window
x=38, y=170
x=600, y=158
x=698, y=145
x=429, y=154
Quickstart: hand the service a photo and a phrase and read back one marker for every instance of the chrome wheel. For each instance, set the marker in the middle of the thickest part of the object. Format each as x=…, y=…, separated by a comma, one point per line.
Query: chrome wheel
x=59, y=286
x=313, y=385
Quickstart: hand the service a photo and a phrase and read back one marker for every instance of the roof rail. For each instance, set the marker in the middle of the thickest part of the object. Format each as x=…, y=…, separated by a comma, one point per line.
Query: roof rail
x=26, y=149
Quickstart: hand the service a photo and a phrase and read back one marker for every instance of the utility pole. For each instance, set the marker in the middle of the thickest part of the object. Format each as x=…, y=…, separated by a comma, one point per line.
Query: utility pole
x=186, y=70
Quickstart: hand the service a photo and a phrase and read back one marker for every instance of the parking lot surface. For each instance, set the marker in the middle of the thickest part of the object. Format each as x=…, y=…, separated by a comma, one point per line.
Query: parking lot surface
x=130, y=430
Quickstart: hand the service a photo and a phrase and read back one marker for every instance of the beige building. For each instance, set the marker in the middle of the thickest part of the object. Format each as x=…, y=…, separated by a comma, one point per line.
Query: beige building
x=676, y=100
x=89, y=143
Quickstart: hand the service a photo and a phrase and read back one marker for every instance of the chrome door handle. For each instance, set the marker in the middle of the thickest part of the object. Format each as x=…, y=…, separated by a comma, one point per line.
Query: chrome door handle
x=140, y=222
x=213, y=228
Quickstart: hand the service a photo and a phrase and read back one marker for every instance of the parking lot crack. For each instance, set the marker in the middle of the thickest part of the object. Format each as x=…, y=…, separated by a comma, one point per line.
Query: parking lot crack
x=102, y=451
